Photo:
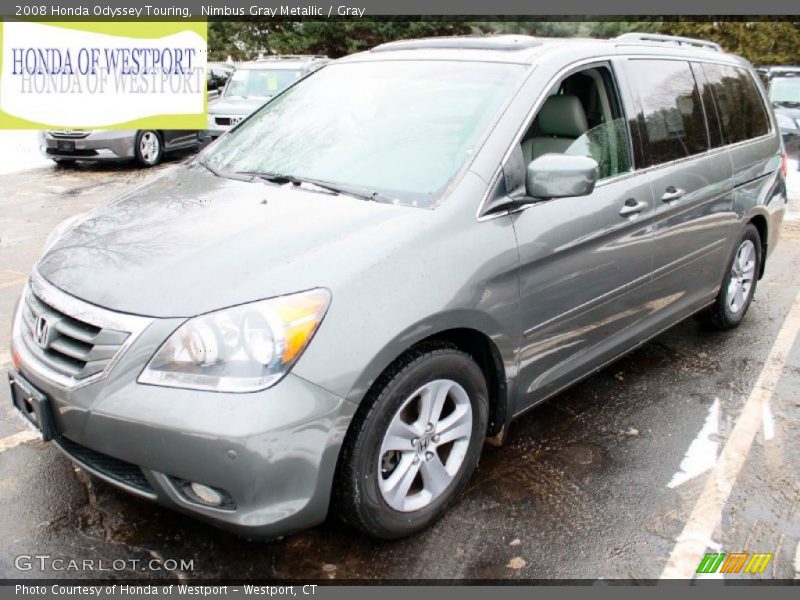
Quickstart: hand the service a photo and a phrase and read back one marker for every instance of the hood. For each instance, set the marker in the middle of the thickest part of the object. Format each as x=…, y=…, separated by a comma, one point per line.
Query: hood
x=236, y=105
x=792, y=111
x=190, y=242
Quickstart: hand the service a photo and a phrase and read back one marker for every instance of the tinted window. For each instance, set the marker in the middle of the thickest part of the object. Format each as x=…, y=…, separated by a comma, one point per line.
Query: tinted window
x=673, y=116
x=741, y=111
x=712, y=117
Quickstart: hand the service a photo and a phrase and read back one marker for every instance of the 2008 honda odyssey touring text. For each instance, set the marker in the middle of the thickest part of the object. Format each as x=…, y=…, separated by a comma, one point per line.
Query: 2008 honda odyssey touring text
x=337, y=303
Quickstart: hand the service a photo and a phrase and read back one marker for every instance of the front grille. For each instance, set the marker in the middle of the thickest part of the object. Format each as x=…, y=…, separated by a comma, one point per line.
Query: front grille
x=113, y=468
x=73, y=134
x=227, y=121
x=66, y=344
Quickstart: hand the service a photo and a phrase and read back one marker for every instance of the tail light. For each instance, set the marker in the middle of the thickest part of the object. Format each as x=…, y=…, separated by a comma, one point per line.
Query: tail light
x=784, y=164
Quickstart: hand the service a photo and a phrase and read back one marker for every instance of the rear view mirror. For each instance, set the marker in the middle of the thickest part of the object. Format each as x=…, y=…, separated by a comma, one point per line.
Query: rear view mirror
x=560, y=176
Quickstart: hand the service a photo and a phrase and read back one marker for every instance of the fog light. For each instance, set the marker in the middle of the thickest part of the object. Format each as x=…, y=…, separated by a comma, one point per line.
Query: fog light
x=206, y=494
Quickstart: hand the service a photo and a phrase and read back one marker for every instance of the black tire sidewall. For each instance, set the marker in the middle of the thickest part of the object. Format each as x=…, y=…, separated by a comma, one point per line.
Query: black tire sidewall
x=381, y=519
x=729, y=318
x=138, y=151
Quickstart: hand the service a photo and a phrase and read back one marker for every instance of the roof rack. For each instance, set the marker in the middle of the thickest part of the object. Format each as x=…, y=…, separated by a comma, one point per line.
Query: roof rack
x=291, y=57
x=778, y=69
x=489, y=42
x=669, y=39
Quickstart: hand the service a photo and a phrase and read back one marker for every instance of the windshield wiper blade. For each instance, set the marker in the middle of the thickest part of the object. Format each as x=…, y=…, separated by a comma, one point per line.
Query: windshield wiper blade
x=335, y=188
x=223, y=173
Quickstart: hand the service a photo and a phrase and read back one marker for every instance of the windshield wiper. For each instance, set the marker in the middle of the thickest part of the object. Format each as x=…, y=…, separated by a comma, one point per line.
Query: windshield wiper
x=225, y=174
x=335, y=188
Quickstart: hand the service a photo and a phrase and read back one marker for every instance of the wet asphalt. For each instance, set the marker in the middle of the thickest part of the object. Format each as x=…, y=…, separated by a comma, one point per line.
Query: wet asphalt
x=578, y=491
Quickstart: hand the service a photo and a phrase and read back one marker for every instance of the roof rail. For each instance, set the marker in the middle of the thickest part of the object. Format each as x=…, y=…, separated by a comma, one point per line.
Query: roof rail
x=489, y=42
x=668, y=39
x=291, y=57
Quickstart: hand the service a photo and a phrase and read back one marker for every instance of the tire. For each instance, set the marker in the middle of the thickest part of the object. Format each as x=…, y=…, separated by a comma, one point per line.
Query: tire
x=727, y=312
x=149, y=148
x=365, y=470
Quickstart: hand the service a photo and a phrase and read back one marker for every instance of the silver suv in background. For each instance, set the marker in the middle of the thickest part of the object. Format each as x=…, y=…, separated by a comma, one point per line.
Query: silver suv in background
x=783, y=89
x=342, y=298
x=255, y=82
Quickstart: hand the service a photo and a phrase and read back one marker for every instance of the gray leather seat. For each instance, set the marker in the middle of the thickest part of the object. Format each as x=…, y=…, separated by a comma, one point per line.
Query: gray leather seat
x=561, y=121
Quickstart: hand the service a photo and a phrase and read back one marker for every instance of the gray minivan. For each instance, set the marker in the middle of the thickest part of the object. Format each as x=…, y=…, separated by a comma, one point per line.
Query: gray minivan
x=342, y=299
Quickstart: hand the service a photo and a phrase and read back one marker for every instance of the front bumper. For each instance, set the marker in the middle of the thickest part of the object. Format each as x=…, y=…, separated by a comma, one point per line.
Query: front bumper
x=215, y=132
x=98, y=145
x=273, y=452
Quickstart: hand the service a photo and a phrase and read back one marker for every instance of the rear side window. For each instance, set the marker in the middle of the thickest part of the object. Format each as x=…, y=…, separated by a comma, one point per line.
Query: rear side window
x=674, y=123
x=741, y=110
x=712, y=117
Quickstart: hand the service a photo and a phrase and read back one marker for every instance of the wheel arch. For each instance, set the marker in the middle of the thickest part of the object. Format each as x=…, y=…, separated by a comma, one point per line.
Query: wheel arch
x=490, y=351
x=762, y=225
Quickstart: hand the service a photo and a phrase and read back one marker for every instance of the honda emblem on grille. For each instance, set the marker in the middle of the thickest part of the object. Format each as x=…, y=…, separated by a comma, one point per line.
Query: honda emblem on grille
x=41, y=332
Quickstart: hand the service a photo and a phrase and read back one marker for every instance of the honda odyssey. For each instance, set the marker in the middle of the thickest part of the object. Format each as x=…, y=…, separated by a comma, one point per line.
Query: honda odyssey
x=336, y=304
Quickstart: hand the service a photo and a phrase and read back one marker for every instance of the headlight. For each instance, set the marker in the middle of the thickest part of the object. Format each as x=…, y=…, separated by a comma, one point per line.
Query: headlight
x=785, y=121
x=240, y=349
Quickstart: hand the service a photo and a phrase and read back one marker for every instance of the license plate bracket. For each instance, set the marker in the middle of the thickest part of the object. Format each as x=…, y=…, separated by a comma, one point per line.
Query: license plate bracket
x=65, y=146
x=32, y=406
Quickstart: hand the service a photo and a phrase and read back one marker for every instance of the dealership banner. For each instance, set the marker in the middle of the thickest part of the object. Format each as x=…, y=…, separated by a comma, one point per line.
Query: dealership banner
x=114, y=75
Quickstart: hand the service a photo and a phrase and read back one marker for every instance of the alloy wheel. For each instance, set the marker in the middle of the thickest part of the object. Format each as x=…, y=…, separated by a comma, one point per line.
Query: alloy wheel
x=425, y=445
x=149, y=147
x=743, y=270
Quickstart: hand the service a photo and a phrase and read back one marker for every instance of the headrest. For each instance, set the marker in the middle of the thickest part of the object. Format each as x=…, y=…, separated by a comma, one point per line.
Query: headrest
x=562, y=116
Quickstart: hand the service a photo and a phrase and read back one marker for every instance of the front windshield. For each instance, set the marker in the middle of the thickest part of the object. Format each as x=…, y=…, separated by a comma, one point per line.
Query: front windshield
x=401, y=129
x=785, y=89
x=260, y=83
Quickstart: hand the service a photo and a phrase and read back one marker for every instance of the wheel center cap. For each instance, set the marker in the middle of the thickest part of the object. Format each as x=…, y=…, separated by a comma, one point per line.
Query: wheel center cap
x=424, y=442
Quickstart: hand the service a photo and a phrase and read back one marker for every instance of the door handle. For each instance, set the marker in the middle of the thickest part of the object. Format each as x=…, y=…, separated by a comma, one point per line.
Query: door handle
x=632, y=207
x=672, y=193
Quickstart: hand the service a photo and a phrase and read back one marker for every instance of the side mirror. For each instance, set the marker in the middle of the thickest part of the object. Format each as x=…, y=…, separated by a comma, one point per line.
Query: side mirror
x=560, y=176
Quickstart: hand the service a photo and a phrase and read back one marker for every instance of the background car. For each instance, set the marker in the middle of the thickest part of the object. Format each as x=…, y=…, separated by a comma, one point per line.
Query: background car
x=145, y=146
x=217, y=75
x=783, y=88
x=253, y=83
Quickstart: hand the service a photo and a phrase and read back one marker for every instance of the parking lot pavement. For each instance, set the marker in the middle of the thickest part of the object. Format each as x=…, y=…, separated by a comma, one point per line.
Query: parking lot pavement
x=619, y=477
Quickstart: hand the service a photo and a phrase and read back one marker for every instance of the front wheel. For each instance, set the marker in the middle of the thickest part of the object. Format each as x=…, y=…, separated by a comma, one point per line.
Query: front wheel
x=739, y=286
x=412, y=448
x=148, y=148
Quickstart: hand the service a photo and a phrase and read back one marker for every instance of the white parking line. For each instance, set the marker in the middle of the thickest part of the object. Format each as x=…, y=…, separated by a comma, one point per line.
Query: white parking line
x=701, y=456
x=12, y=441
x=707, y=513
